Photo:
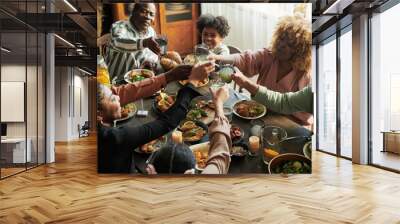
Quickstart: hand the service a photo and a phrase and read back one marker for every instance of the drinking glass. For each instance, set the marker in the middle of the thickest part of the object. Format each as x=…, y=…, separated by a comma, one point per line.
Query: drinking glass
x=254, y=145
x=272, y=135
x=216, y=84
x=162, y=40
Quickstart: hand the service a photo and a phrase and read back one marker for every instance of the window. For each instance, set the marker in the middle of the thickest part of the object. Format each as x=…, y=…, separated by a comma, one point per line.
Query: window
x=346, y=93
x=385, y=84
x=327, y=96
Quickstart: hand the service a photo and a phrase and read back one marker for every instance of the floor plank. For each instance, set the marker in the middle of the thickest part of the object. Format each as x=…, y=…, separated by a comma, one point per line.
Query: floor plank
x=70, y=191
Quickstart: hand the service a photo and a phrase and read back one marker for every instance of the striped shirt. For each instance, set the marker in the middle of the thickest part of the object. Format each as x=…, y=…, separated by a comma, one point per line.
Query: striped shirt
x=126, y=50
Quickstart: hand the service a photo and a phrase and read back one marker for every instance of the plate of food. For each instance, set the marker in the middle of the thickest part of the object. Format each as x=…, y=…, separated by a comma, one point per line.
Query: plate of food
x=239, y=149
x=206, y=115
x=127, y=111
x=237, y=134
x=152, y=146
x=197, y=84
x=249, y=109
x=201, y=110
x=163, y=101
x=193, y=131
x=136, y=75
x=200, y=152
x=290, y=163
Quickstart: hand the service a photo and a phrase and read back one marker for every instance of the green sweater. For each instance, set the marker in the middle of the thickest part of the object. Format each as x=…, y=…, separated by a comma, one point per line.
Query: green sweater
x=286, y=103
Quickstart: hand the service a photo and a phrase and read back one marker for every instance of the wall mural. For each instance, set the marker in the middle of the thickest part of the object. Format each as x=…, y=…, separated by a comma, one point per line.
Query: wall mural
x=195, y=108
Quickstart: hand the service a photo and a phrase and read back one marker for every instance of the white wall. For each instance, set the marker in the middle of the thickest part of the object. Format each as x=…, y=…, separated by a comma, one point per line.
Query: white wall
x=71, y=87
x=33, y=127
x=252, y=25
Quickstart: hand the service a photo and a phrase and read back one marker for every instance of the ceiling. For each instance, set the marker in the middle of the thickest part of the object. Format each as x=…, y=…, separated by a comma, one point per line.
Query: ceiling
x=328, y=16
x=72, y=20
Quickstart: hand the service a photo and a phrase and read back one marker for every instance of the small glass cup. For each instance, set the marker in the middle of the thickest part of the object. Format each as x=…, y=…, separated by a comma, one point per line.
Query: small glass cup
x=228, y=113
x=162, y=41
x=216, y=84
x=176, y=136
x=272, y=135
x=254, y=145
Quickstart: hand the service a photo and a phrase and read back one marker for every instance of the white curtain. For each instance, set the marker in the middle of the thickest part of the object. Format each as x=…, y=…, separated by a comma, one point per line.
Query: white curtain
x=252, y=24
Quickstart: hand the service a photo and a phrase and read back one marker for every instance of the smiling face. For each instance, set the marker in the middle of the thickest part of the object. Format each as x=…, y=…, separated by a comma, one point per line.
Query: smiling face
x=211, y=37
x=143, y=16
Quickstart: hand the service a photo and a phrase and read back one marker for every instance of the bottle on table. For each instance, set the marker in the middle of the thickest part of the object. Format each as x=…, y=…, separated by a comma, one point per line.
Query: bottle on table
x=103, y=76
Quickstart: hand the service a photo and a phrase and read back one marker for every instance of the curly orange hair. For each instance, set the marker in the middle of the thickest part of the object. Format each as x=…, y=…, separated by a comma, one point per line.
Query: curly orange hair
x=298, y=33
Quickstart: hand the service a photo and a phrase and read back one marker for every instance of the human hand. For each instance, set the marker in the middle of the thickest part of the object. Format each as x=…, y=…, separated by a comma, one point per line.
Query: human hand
x=214, y=57
x=220, y=95
x=152, y=44
x=239, y=78
x=244, y=81
x=200, y=71
x=181, y=72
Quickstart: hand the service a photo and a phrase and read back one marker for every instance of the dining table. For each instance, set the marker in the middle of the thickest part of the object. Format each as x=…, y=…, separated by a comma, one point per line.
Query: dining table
x=297, y=135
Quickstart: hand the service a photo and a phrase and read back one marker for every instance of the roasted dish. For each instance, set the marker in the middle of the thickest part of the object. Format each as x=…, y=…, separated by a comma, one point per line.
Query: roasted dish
x=293, y=167
x=127, y=109
x=153, y=145
x=164, y=101
x=201, y=159
x=249, y=109
x=196, y=84
x=191, y=132
x=138, y=75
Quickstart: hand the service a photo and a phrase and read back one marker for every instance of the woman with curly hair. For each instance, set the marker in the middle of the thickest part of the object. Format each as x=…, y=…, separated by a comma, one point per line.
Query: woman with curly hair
x=213, y=30
x=283, y=67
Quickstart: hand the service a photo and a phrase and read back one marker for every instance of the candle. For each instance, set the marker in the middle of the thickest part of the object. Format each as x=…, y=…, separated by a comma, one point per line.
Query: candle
x=254, y=142
x=177, y=136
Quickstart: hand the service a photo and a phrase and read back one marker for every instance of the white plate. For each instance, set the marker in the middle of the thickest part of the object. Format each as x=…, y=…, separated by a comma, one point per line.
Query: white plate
x=131, y=114
x=249, y=118
x=202, y=147
x=128, y=74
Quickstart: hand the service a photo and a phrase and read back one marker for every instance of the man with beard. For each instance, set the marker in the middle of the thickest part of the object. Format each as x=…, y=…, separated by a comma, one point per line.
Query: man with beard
x=132, y=41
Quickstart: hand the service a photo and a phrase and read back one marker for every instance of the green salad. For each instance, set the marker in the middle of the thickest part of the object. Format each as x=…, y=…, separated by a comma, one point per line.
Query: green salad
x=196, y=114
x=293, y=167
x=137, y=78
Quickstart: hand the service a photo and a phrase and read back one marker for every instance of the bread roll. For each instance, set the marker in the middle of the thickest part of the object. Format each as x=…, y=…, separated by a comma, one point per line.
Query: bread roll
x=168, y=64
x=173, y=55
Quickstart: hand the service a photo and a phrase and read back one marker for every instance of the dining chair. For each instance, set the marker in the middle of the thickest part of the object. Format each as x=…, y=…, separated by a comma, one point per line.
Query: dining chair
x=103, y=42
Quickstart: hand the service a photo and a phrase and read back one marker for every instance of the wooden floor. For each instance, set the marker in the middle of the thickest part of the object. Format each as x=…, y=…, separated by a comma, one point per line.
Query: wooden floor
x=70, y=191
x=387, y=159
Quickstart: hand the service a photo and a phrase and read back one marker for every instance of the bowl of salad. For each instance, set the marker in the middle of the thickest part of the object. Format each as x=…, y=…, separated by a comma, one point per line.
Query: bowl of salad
x=136, y=75
x=290, y=163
